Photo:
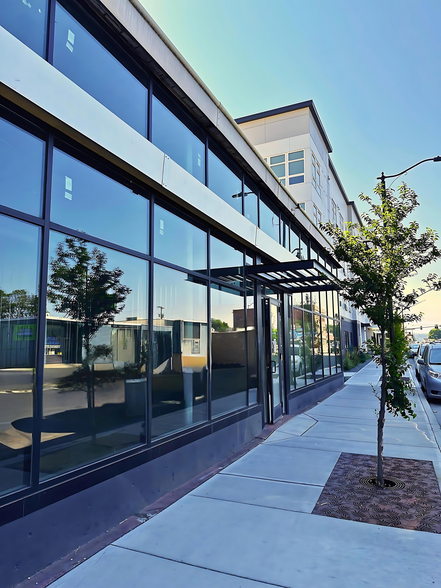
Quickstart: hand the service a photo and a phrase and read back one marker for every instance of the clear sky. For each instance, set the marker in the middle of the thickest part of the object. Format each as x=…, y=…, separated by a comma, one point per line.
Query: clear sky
x=372, y=68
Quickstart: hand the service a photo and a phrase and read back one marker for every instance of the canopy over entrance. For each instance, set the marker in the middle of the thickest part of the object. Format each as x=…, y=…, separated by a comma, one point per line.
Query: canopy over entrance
x=294, y=276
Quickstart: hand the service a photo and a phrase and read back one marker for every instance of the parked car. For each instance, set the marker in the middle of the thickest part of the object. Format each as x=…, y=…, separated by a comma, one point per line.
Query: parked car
x=418, y=356
x=413, y=350
x=430, y=370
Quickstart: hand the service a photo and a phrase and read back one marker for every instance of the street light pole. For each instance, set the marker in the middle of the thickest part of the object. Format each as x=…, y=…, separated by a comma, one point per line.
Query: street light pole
x=382, y=179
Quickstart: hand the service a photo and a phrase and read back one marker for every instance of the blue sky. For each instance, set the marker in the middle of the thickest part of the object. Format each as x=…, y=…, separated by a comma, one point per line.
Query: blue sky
x=372, y=69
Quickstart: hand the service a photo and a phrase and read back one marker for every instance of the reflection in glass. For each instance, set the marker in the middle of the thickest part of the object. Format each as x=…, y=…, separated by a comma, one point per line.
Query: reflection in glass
x=80, y=57
x=179, y=351
x=304, y=253
x=172, y=137
x=95, y=381
x=179, y=242
x=88, y=201
x=226, y=262
x=251, y=345
x=251, y=203
x=337, y=345
x=309, y=350
x=19, y=269
x=325, y=347
x=318, y=351
x=224, y=182
x=21, y=169
x=26, y=21
x=269, y=220
x=298, y=348
x=229, y=369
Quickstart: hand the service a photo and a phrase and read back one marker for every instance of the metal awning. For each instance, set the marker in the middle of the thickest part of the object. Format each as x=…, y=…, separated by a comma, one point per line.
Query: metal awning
x=294, y=276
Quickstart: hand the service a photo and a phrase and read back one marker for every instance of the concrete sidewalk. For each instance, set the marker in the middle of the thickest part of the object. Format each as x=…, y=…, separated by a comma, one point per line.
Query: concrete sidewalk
x=251, y=525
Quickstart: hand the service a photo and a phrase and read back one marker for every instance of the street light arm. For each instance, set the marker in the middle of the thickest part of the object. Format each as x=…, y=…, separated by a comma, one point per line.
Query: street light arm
x=383, y=177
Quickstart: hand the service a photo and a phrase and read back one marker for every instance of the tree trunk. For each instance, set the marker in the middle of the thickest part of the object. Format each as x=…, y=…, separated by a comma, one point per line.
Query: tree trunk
x=381, y=416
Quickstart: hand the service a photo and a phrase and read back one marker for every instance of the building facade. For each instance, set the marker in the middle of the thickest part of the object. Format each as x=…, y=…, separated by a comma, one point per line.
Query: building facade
x=162, y=295
x=293, y=142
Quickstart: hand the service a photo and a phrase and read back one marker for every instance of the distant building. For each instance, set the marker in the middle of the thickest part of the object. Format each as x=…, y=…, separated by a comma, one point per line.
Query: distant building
x=294, y=143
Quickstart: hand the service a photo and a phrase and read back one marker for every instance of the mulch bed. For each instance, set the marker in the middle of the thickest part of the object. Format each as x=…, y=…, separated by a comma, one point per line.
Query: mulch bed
x=414, y=503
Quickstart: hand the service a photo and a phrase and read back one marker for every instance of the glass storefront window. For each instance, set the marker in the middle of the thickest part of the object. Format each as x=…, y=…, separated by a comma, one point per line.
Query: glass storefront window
x=179, y=353
x=229, y=366
x=224, y=182
x=27, y=21
x=226, y=262
x=175, y=139
x=251, y=345
x=269, y=220
x=81, y=58
x=309, y=349
x=304, y=253
x=337, y=345
x=95, y=374
x=88, y=201
x=19, y=271
x=295, y=244
x=325, y=346
x=21, y=170
x=250, y=203
x=298, y=348
x=318, y=349
x=179, y=242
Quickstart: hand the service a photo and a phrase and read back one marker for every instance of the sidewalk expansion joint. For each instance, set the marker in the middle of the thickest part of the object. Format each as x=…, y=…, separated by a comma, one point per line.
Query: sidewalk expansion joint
x=259, y=505
x=271, y=479
x=202, y=567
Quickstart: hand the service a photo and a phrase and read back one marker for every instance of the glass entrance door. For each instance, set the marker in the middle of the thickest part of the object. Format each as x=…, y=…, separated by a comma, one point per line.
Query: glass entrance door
x=274, y=357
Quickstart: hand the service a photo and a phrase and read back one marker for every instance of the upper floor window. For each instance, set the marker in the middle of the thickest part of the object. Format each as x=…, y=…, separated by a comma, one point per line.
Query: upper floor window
x=178, y=137
x=81, y=58
x=315, y=170
x=269, y=219
x=224, y=182
x=316, y=215
x=288, y=167
x=26, y=21
x=341, y=221
x=333, y=212
x=22, y=169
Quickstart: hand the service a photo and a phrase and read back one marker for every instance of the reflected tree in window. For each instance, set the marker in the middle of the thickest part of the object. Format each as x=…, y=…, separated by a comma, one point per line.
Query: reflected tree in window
x=85, y=290
x=18, y=304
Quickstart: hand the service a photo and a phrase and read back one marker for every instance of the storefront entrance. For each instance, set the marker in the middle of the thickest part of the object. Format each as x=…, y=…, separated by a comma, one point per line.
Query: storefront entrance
x=274, y=355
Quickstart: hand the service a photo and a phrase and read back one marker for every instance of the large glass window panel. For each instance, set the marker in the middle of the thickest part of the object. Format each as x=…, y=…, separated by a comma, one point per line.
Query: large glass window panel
x=269, y=220
x=179, y=353
x=337, y=345
x=309, y=349
x=298, y=350
x=251, y=203
x=178, y=241
x=19, y=270
x=251, y=344
x=21, y=169
x=226, y=262
x=296, y=167
x=229, y=366
x=80, y=57
x=96, y=357
x=26, y=21
x=304, y=247
x=318, y=348
x=224, y=182
x=176, y=140
x=88, y=201
x=295, y=244
x=326, y=347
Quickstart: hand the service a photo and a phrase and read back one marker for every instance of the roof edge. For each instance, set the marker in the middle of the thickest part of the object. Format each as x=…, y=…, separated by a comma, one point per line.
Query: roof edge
x=290, y=108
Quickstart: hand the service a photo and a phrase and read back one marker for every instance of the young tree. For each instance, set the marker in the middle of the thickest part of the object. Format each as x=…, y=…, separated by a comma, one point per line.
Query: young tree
x=381, y=255
x=82, y=288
